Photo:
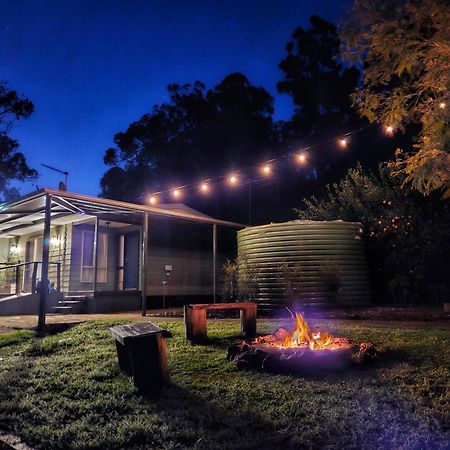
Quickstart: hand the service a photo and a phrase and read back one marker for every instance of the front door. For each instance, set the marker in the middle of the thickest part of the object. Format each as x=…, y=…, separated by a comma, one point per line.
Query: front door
x=128, y=261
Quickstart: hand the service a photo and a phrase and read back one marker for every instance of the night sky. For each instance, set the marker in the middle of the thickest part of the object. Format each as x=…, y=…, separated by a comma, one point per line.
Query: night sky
x=92, y=67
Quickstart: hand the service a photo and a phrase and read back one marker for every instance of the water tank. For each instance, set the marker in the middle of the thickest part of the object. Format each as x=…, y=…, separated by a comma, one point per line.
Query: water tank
x=303, y=262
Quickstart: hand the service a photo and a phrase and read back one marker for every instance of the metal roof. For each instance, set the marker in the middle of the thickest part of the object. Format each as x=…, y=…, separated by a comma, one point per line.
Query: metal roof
x=26, y=214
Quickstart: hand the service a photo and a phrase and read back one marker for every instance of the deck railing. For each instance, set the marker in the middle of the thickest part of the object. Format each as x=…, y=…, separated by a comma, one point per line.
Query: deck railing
x=25, y=276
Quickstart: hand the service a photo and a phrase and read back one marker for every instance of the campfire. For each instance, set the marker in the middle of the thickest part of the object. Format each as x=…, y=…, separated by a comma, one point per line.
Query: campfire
x=300, y=350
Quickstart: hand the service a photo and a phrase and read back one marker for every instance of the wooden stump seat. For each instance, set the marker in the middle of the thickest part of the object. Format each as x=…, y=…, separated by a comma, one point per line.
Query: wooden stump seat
x=195, y=318
x=142, y=354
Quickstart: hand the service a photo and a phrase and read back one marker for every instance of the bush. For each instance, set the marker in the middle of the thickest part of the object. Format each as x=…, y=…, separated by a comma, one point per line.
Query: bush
x=407, y=235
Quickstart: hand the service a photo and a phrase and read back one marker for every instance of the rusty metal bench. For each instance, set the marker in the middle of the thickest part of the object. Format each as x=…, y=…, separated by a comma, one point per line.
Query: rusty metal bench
x=142, y=354
x=195, y=319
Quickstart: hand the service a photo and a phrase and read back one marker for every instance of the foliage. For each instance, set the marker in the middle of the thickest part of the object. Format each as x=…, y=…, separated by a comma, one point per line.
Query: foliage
x=197, y=131
x=405, y=49
x=247, y=277
x=291, y=274
x=13, y=165
x=229, y=280
x=66, y=391
x=407, y=235
x=317, y=81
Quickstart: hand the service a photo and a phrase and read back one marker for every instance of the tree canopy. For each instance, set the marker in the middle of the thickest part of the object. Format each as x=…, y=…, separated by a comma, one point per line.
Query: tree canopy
x=404, y=48
x=197, y=132
x=13, y=165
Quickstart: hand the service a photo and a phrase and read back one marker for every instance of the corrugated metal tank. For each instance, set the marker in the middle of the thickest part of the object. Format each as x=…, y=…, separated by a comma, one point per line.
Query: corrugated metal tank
x=302, y=261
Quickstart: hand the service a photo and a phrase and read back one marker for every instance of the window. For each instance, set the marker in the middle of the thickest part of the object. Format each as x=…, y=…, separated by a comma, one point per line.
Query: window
x=87, y=257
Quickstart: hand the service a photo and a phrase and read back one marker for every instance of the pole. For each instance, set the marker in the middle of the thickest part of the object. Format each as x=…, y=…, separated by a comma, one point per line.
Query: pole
x=250, y=200
x=95, y=262
x=43, y=291
x=144, y=250
x=214, y=263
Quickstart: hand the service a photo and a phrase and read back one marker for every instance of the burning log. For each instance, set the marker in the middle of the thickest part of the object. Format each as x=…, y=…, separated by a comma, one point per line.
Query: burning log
x=301, y=351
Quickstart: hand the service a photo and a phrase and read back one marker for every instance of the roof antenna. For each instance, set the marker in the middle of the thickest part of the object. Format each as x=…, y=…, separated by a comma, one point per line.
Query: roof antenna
x=62, y=184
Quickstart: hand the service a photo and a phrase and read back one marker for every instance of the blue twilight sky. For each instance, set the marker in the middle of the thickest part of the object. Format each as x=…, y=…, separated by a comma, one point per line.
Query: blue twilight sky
x=93, y=66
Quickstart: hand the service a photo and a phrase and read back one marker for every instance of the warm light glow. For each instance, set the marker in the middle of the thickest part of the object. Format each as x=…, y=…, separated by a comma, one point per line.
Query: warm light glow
x=176, y=193
x=442, y=105
x=233, y=179
x=54, y=240
x=204, y=187
x=301, y=158
x=343, y=142
x=153, y=200
x=14, y=249
x=266, y=169
x=389, y=130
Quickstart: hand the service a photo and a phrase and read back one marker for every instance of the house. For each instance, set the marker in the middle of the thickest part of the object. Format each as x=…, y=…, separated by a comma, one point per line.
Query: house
x=102, y=255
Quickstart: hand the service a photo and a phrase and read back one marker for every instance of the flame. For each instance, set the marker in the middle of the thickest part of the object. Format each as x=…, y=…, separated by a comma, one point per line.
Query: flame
x=301, y=337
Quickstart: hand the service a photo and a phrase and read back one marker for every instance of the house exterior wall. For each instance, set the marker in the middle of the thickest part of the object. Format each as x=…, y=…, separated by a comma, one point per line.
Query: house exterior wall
x=187, y=247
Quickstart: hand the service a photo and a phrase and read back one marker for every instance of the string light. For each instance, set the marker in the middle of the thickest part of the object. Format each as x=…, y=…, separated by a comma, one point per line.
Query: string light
x=266, y=169
x=389, y=130
x=442, y=105
x=233, y=179
x=301, y=158
x=343, y=142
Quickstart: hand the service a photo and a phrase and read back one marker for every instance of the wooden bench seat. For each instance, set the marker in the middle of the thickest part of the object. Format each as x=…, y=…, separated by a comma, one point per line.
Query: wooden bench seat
x=195, y=318
x=142, y=354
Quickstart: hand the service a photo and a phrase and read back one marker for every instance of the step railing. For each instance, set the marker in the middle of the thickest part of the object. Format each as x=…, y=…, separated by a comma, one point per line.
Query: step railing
x=25, y=276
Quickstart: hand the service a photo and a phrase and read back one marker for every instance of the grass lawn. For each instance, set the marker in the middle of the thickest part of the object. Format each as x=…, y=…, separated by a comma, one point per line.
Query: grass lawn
x=65, y=391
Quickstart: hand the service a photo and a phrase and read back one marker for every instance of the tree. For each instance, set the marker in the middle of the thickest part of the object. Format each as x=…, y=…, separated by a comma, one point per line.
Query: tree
x=197, y=133
x=405, y=50
x=408, y=236
x=13, y=165
x=320, y=86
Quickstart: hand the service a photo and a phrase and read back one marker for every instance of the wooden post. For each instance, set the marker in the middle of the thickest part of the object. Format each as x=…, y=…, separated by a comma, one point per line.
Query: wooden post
x=195, y=323
x=94, y=276
x=148, y=358
x=58, y=277
x=33, y=277
x=144, y=250
x=43, y=292
x=214, y=263
x=248, y=320
x=17, y=280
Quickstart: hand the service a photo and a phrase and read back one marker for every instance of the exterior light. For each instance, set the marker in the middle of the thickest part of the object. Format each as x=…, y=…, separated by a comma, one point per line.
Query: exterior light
x=153, y=200
x=233, y=179
x=14, y=249
x=301, y=158
x=442, y=105
x=204, y=187
x=54, y=241
x=266, y=169
x=389, y=130
x=343, y=143
x=176, y=193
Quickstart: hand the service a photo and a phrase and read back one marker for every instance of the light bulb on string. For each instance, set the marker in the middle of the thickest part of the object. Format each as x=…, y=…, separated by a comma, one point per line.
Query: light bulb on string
x=153, y=200
x=204, y=187
x=389, y=130
x=233, y=179
x=176, y=193
x=266, y=169
x=301, y=158
x=343, y=142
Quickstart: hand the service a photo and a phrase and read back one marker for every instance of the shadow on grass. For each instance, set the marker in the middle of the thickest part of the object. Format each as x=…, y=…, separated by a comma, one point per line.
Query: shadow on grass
x=199, y=423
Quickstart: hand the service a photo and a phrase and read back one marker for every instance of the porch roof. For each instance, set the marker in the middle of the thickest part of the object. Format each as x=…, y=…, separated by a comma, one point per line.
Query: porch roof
x=26, y=214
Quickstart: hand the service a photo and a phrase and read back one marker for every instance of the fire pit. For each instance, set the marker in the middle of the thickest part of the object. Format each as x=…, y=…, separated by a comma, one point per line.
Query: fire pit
x=300, y=350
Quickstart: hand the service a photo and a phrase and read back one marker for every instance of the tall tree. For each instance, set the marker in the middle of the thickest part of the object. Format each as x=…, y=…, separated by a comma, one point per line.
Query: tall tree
x=320, y=86
x=404, y=47
x=197, y=133
x=13, y=165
